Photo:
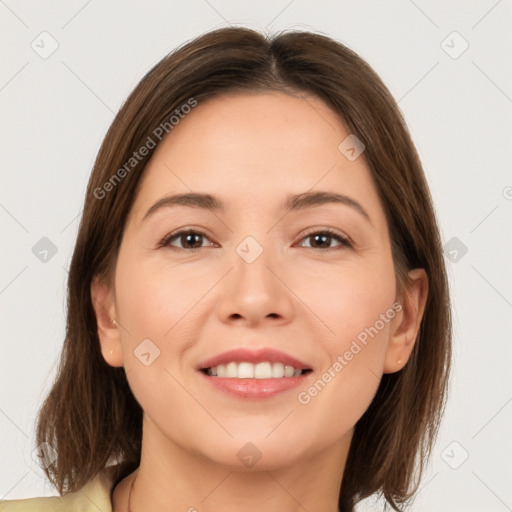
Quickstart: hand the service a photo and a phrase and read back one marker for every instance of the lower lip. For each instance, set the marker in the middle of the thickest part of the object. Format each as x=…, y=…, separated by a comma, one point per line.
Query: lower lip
x=255, y=388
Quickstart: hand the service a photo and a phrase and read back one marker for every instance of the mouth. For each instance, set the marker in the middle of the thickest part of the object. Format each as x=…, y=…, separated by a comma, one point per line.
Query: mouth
x=254, y=373
x=246, y=370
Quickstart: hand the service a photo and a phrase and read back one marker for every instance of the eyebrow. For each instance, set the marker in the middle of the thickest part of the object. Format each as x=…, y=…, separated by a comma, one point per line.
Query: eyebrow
x=293, y=202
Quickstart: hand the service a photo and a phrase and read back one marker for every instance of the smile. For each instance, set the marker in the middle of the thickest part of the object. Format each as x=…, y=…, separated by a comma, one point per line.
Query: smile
x=254, y=373
x=246, y=370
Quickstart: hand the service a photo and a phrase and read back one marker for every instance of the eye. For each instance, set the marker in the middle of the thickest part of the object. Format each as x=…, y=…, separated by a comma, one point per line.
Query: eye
x=194, y=239
x=322, y=239
x=189, y=239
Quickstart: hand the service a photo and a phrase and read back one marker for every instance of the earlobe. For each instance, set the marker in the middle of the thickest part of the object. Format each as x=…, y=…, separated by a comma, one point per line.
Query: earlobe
x=406, y=327
x=103, y=303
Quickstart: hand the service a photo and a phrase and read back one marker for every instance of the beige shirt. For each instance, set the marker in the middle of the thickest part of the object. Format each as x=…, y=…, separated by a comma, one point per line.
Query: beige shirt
x=93, y=497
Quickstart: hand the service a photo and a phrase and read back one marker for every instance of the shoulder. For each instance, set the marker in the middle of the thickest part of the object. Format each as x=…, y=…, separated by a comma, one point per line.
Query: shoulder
x=93, y=497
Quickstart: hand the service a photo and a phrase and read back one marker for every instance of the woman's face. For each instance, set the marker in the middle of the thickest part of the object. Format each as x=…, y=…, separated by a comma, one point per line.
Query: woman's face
x=258, y=275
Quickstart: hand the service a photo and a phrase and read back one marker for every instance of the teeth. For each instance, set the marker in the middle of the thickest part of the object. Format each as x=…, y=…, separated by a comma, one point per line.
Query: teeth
x=245, y=371
x=265, y=370
x=277, y=370
x=231, y=370
x=288, y=371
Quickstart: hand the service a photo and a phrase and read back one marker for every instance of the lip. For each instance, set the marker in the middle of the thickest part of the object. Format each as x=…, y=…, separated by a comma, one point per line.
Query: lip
x=254, y=388
x=254, y=356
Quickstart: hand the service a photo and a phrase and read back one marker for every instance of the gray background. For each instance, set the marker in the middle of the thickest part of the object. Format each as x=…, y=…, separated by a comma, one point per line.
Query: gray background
x=55, y=112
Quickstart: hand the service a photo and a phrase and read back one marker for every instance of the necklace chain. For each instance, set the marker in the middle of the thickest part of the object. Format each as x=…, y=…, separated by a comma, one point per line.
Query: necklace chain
x=130, y=495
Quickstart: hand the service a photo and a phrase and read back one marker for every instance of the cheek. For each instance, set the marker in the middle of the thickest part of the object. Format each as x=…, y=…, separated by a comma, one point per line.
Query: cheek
x=350, y=301
x=356, y=306
x=151, y=299
x=153, y=311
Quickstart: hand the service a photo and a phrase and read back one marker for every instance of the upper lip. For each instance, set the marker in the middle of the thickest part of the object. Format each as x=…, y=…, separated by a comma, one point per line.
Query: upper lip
x=253, y=355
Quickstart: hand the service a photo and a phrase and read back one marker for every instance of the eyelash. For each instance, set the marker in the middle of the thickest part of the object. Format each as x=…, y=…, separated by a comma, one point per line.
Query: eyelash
x=344, y=242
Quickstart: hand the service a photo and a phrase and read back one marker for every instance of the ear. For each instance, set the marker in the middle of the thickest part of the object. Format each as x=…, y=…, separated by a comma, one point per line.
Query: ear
x=103, y=303
x=406, y=324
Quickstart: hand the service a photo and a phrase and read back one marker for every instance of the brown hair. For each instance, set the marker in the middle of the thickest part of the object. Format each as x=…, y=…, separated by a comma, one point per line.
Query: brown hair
x=90, y=415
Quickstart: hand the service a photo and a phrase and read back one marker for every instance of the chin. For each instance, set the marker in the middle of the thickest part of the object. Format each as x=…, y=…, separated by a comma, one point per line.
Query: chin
x=255, y=456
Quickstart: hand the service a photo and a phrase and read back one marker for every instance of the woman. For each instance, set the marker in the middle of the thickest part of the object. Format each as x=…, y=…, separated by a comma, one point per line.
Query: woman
x=258, y=310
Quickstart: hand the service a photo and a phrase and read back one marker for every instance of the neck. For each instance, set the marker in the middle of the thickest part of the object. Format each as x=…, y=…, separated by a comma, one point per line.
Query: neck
x=172, y=478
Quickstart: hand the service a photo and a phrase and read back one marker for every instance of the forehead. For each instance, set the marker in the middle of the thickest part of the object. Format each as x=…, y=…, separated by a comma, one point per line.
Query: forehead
x=256, y=148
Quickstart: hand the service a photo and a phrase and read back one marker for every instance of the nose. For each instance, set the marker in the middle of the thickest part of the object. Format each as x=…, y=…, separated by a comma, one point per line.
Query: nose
x=256, y=293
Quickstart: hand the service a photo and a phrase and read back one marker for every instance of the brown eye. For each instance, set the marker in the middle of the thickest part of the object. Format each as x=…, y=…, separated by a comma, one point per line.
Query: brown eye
x=323, y=240
x=187, y=240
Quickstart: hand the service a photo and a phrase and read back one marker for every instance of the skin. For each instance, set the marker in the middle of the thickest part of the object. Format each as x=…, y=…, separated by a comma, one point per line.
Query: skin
x=310, y=301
